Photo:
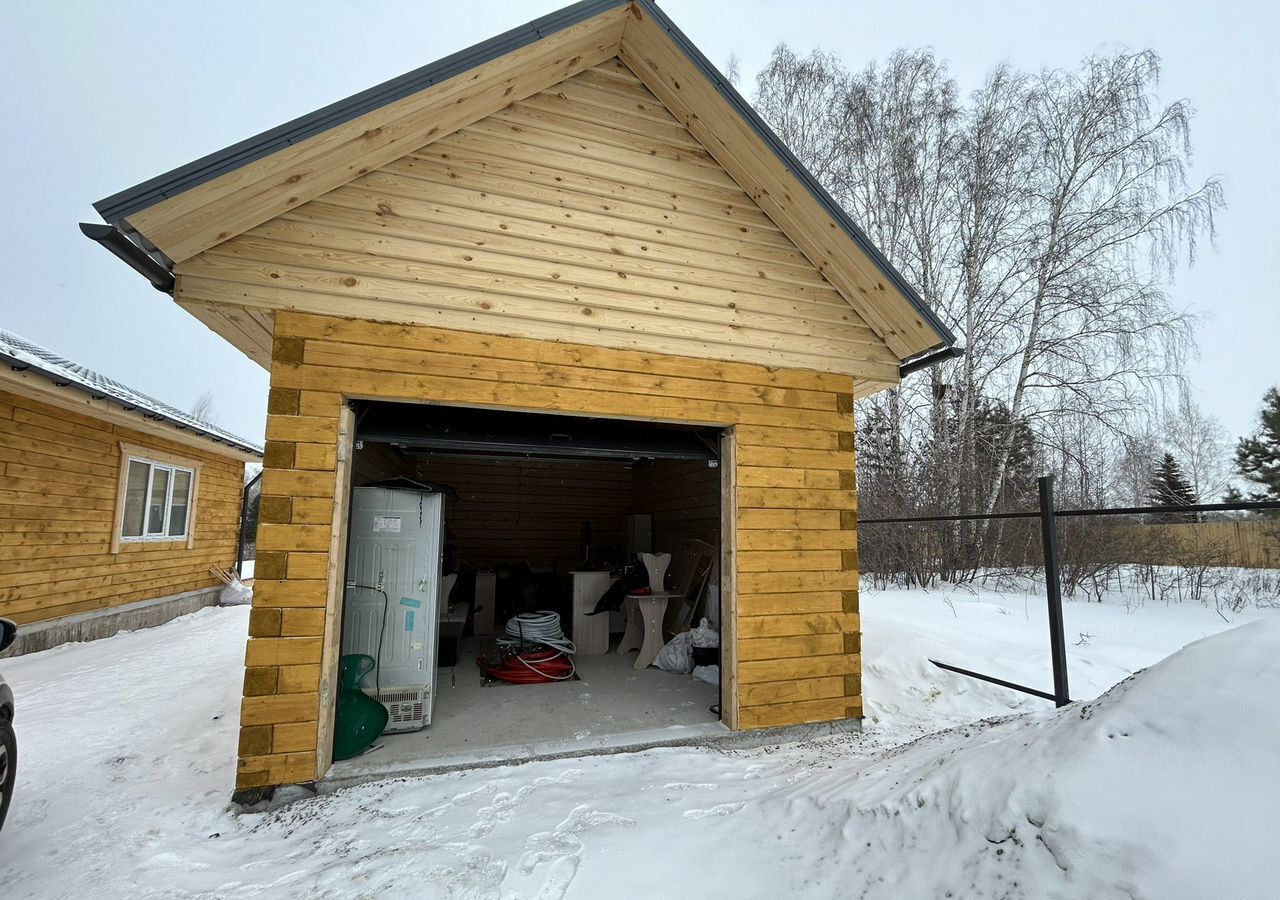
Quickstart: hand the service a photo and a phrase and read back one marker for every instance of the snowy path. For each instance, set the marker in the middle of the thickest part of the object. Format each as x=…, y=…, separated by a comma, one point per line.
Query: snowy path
x=127, y=759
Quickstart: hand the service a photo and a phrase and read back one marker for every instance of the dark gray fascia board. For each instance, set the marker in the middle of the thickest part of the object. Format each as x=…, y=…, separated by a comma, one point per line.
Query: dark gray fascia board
x=929, y=359
x=833, y=209
x=120, y=205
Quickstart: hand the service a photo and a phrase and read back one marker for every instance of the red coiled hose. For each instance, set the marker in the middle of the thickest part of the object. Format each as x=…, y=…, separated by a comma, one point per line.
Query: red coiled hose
x=529, y=667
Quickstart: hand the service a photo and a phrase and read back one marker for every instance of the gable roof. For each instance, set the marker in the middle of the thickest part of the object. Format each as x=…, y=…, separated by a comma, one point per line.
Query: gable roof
x=180, y=213
x=21, y=355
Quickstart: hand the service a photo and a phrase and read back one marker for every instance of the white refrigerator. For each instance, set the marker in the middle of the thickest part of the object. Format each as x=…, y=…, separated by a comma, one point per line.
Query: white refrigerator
x=392, y=611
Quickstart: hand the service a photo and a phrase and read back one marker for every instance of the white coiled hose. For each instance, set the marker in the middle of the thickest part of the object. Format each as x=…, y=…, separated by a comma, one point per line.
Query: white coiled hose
x=541, y=627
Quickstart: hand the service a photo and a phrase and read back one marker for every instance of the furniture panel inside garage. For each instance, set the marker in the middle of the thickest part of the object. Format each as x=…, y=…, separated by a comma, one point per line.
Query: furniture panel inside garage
x=531, y=604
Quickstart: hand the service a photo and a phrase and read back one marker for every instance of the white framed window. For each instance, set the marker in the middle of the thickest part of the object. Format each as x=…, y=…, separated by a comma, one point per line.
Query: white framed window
x=156, y=499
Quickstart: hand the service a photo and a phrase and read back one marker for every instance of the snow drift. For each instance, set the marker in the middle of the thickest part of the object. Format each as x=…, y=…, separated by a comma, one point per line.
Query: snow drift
x=1166, y=786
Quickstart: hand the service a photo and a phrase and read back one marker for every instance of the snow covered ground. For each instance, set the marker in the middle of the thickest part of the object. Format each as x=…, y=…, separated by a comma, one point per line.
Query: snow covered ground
x=1165, y=787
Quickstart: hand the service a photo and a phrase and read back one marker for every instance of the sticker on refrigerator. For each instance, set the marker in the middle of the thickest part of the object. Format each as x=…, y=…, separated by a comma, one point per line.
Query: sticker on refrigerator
x=411, y=603
x=408, y=621
x=386, y=524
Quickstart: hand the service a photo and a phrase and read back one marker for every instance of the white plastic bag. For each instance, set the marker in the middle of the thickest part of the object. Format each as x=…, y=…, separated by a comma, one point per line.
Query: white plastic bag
x=705, y=636
x=677, y=655
x=709, y=674
x=236, y=594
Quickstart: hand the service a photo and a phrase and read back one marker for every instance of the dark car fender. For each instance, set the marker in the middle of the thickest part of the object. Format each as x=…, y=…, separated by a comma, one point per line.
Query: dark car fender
x=6, y=701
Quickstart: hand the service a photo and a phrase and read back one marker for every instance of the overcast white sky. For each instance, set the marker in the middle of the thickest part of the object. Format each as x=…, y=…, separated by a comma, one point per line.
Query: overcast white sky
x=99, y=96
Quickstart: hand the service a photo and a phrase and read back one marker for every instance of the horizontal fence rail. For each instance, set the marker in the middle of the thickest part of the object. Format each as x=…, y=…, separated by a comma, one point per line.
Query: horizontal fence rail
x=1243, y=506
x=1049, y=516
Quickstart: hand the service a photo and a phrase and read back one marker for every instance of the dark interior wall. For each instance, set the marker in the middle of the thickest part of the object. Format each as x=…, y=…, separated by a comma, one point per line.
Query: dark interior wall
x=374, y=462
x=520, y=510
x=684, y=498
x=532, y=511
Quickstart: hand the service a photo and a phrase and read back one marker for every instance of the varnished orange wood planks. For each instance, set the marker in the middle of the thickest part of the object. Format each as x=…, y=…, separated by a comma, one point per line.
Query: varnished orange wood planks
x=792, y=653
x=59, y=484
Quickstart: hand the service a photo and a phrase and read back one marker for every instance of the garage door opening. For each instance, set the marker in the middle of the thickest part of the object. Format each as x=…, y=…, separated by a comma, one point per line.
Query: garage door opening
x=465, y=520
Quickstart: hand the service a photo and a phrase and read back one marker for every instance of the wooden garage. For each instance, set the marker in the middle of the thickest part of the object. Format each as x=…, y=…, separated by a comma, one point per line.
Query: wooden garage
x=115, y=505
x=580, y=218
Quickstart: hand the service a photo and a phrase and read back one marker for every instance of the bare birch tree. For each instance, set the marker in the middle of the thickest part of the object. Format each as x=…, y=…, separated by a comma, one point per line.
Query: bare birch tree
x=204, y=408
x=1201, y=444
x=1042, y=217
x=1110, y=214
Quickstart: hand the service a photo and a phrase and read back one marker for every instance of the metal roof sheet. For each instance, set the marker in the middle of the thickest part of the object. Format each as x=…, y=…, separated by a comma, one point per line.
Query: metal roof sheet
x=23, y=355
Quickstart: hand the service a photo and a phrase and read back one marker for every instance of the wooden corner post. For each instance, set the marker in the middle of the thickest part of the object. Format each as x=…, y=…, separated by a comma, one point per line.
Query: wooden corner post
x=329, y=663
x=729, y=579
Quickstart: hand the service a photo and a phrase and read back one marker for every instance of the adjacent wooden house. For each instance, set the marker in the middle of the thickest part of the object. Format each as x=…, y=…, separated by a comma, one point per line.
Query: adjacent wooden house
x=580, y=218
x=114, y=504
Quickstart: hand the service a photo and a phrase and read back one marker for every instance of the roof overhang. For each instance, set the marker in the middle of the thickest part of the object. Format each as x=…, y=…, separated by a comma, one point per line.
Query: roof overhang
x=179, y=214
x=28, y=378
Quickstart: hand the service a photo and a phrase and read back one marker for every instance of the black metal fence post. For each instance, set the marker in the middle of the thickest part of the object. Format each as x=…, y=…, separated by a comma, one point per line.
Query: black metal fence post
x=1053, y=589
x=244, y=517
x=1048, y=516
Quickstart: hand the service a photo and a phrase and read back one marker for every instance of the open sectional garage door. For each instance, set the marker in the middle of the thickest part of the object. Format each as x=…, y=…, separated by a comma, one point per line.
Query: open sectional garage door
x=511, y=576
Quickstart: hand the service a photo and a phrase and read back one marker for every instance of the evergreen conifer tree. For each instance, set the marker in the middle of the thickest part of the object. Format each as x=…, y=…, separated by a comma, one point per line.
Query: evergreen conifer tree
x=1170, y=487
x=1258, y=455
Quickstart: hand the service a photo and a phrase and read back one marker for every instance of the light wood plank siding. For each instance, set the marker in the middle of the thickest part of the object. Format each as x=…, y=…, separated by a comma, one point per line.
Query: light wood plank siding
x=697, y=103
x=797, y=658
x=195, y=219
x=583, y=213
x=59, y=474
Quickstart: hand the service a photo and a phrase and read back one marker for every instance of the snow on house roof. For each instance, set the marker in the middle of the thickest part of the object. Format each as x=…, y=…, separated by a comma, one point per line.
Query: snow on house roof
x=23, y=355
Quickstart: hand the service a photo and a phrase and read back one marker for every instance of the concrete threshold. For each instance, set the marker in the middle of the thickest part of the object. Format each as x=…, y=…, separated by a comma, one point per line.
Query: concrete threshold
x=713, y=737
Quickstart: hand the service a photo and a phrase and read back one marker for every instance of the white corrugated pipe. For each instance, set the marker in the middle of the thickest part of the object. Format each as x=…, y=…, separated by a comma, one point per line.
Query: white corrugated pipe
x=541, y=627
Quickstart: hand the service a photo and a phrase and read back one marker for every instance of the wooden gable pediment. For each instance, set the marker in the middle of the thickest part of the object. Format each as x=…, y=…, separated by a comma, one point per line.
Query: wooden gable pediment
x=705, y=148
x=584, y=213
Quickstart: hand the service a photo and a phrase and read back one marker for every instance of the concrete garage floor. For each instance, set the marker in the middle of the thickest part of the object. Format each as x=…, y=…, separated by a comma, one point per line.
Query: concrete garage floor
x=612, y=706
